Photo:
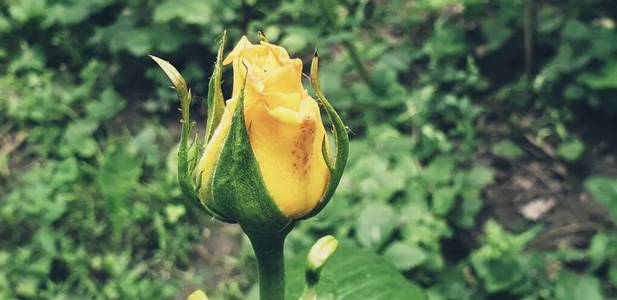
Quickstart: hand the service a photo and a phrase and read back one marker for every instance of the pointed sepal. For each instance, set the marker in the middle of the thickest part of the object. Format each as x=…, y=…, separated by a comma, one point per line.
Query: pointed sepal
x=341, y=141
x=215, y=101
x=187, y=158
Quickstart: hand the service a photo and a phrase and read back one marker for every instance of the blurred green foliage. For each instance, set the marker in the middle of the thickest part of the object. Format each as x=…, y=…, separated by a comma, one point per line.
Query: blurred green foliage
x=89, y=203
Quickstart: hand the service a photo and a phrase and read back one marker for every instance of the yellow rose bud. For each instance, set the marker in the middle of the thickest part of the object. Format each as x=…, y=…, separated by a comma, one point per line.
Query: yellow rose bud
x=266, y=160
x=284, y=127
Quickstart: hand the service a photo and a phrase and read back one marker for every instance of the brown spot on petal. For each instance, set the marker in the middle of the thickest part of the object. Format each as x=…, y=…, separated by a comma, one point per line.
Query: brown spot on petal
x=303, y=146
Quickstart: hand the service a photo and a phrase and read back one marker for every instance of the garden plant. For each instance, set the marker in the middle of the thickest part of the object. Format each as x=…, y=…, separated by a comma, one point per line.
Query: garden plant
x=264, y=162
x=465, y=149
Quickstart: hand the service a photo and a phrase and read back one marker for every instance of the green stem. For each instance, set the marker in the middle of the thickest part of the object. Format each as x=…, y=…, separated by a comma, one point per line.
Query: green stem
x=309, y=294
x=268, y=249
x=357, y=63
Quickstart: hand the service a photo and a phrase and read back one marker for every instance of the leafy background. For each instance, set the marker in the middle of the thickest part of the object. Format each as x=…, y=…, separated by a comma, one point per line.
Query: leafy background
x=482, y=159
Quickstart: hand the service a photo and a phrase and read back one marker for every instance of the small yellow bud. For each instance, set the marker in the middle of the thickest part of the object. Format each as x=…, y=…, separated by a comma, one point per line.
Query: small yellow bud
x=197, y=295
x=320, y=252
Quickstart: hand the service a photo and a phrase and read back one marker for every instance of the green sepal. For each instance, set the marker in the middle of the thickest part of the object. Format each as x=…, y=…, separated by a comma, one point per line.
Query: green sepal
x=187, y=160
x=326, y=156
x=341, y=141
x=215, y=101
x=238, y=190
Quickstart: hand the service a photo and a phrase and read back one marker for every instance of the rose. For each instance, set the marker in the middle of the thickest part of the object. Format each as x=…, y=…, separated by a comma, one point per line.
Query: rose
x=266, y=161
x=284, y=128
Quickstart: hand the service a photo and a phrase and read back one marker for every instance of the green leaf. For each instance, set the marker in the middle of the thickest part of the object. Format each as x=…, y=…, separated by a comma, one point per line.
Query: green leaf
x=479, y=177
x=499, y=262
x=66, y=171
x=72, y=12
x=571, y=150
x=605, y=79
x=108, y=106
x=78, y=138
x=497, y=273
x=443, y=200
x=141, y=41
x=189, y=11
x=27, y=287
x=575, y=30
x=467, y=211
x=604, y=190
x=22, y=11
x=118, y=175
x=46, y=241
x=297, y=38
x=374, y=179
x=440, y=170
x=507, y=149
x=612, y=274
x=404, y=256
x=118, y=178
x=575, y=287
x=597, y=251
x=375, y=225
x=496, y=32
x=352, y=274
x=421, y=227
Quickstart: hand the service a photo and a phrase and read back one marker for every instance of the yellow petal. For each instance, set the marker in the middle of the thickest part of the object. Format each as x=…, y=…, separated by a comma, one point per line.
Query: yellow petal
x=279, y=52
x=290, y=100
x=241, y=45
x=285, y=115
x=213, y=149
x=287, y=79
x=287, y=146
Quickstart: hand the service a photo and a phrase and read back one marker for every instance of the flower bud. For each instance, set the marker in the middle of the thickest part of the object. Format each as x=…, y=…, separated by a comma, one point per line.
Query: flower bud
x=197, y=295
x=267, y=160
